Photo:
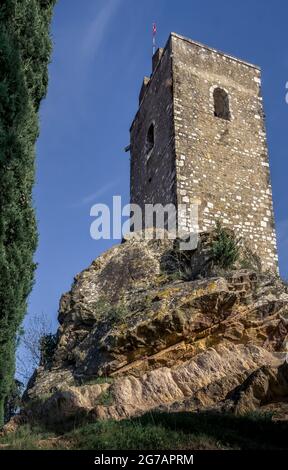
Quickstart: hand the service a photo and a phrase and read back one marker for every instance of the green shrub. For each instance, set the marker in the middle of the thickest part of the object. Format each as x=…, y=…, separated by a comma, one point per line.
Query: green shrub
x=177, y=264
x=48, y=345
x=111, y=312
x=225, y=249
x=13, y=400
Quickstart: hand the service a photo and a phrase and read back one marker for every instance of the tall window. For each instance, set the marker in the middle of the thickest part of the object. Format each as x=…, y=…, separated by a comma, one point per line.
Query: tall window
x=149, y=144
x=221, y=104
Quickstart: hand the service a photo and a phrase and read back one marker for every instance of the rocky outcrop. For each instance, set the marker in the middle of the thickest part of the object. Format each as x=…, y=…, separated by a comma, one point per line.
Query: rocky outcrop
x=265, y=386
x=140, y=331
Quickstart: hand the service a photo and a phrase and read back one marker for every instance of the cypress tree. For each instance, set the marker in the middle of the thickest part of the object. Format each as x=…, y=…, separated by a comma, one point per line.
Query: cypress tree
x=25, y=49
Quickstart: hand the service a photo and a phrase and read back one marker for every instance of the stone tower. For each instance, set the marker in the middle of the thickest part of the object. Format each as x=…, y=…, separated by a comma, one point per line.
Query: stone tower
x=199, y=137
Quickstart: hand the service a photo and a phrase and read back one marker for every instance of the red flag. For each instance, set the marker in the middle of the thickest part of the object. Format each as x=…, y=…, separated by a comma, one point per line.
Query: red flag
x=154, y=29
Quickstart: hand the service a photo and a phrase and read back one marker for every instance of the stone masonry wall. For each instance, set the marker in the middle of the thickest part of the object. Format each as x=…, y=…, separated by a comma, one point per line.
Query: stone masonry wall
x=222, y=165
x=152, y=180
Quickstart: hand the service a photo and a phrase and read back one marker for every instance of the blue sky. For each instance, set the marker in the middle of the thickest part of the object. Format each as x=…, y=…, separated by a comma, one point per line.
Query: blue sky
x=102, y=50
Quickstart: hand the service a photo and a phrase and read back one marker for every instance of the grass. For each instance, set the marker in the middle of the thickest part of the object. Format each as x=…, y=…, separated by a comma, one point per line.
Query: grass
x=133, y=434
x=189, y=431
x=105, y=399
x=113, y=313
x=24, y=438
x=96, y=380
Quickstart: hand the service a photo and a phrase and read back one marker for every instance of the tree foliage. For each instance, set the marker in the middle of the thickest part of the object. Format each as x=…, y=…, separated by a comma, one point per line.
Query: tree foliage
x=25, y=49
x=47, y=348
x=13, y=400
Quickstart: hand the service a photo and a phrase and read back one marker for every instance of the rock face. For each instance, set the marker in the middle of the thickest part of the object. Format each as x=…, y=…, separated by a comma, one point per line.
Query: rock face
x=136, y=335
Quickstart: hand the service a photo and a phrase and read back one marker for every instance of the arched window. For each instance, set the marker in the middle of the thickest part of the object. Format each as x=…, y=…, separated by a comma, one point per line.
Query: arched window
x=149, y=144
x=221, y=104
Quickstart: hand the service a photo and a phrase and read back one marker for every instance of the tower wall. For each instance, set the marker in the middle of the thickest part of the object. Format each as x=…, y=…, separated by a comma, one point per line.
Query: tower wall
x=198, y=158
x=222, y=165
x=152, y=179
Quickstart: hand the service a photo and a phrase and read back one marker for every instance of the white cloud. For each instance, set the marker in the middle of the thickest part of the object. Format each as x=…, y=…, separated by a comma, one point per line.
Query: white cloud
x=97, y=29
x=93, y=197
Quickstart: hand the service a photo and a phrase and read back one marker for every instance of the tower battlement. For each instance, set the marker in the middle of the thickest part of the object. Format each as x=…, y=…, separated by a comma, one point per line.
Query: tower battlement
x=199, y=137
